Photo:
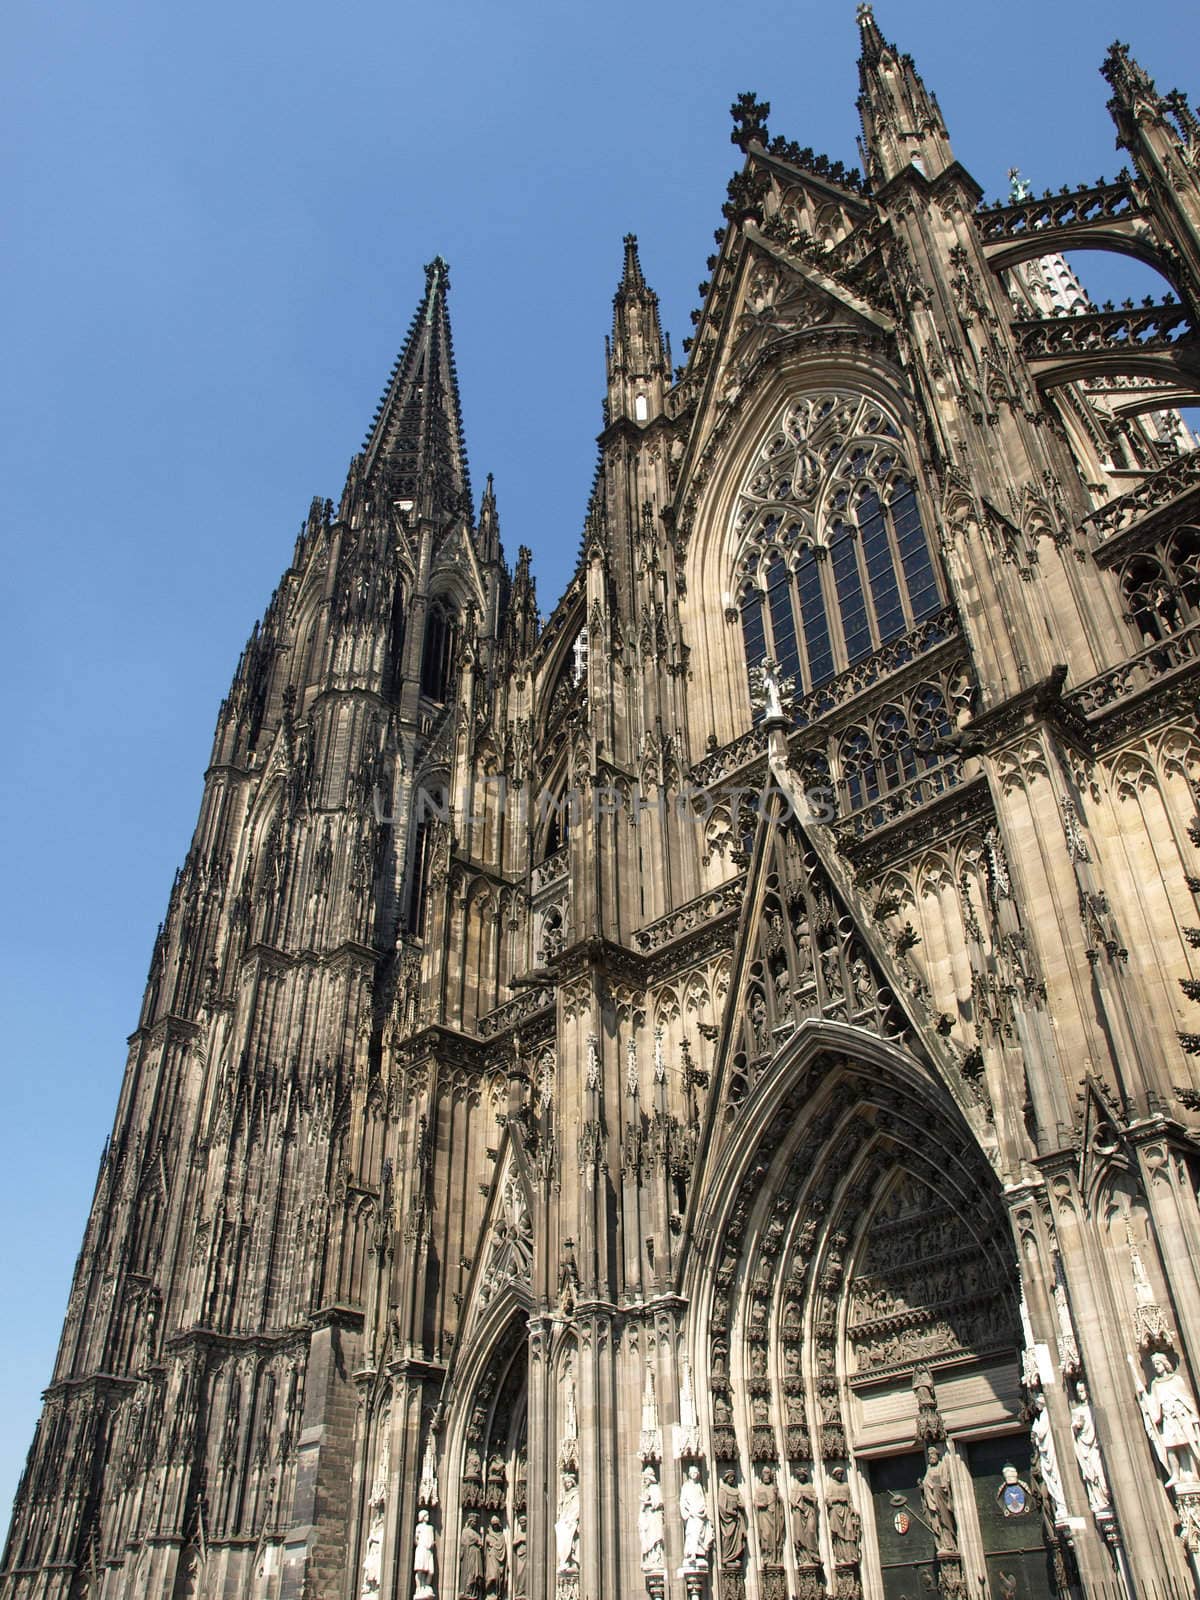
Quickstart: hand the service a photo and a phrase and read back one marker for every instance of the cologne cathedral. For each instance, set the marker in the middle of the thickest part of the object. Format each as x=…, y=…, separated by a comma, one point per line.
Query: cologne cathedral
x=697, y=1097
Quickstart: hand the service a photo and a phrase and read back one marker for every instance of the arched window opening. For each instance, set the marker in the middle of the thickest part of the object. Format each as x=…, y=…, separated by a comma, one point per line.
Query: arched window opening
x=1184, y=557
x=437, y=659
x=860, y=775
x=559, y=830
x=424, y=842
x=754, y=636
x=900, y=745
x=930, y=722
x=856, y=625
x=395, y=660
x=894, y=748
x=783, y=619
x=813, y=620
x=1150, y=600
x=881, y=567
x=834, y=559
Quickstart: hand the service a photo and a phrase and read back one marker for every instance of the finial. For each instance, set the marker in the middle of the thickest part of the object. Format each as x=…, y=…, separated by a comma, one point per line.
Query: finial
x=749, y=115
x=632, y=278
x=872, y=39
x=1018, y=187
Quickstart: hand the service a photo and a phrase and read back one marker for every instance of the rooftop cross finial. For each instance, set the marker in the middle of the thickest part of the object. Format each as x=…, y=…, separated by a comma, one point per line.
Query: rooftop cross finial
x=749, y=115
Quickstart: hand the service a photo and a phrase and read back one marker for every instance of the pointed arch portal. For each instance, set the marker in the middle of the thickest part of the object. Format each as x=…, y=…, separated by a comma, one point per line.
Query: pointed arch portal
x=860, y=1305
x=488, y=1497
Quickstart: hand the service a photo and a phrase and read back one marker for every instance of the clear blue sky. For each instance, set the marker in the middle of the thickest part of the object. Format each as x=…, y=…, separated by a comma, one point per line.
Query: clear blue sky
x=218, y=216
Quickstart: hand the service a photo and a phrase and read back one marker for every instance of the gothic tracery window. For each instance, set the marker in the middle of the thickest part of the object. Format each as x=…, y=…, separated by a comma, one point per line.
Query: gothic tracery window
x=833, y=558
x=1161, y=590
x=437, y=658
x=883, y=752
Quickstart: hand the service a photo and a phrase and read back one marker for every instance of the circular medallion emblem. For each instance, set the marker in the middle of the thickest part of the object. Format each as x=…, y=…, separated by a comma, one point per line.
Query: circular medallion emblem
x=1013, y=1495
x=902, y=1522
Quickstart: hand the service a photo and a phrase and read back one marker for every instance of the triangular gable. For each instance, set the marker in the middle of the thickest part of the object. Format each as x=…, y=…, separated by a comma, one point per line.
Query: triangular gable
x=801, y=955
x=505, y=1259
x=457, y=555
x=808, y=947
x=774, y=295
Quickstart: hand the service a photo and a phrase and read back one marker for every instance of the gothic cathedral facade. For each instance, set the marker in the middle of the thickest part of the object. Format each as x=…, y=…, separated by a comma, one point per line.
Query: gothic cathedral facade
x=697, y=1098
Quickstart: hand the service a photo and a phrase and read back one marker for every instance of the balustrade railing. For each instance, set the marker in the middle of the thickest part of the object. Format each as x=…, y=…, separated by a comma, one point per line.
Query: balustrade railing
x=1139, y=672
x=876, y=813
x=1160, y=489
x=1091, y=202
x=1154, y=327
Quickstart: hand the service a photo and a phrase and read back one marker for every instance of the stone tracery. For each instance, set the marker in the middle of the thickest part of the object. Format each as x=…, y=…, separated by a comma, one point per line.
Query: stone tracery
x=832, y=559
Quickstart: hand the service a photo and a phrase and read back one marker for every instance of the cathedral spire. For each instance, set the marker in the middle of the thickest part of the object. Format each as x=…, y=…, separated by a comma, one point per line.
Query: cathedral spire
x=415, y=450
x=902, y=122
x=639, y=363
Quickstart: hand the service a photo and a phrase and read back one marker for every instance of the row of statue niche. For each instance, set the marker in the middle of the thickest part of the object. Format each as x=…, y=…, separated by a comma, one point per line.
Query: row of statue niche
x=1172, y=1423
x=862, y=987
x=729, y=1536
x=483, y=1559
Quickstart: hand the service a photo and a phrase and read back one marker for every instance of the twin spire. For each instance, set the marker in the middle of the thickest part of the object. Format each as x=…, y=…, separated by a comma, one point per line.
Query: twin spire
x=415, y=453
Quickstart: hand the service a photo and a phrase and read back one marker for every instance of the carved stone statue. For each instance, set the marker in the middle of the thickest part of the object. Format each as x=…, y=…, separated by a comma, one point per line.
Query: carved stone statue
x=922, y=1382
x=1171, y=1420
x=1047, y=1459
x=771, y=692
x=470, y=1559
x=423, y=1557
x=938, y=1499
x=651, y=1526
x=1087, y=1453
x=731, y=1521
x=372, y=1567
x=844, y=1523
x=768, y=1518
x=566, y=1528
x=520, y=1551
x=805, y=1535
x=697, y=1529
x=495, y=1560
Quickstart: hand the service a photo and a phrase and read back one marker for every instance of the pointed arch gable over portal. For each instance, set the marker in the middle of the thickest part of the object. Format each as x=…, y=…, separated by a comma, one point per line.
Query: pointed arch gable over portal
x=854, y=1300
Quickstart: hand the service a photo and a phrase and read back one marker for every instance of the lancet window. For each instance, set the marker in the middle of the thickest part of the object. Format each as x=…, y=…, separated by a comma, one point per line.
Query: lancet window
x=437, y=659
x=833, y=558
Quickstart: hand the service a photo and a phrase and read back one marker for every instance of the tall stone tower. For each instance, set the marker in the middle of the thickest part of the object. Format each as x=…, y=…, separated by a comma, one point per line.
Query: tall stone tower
x=696, y=1097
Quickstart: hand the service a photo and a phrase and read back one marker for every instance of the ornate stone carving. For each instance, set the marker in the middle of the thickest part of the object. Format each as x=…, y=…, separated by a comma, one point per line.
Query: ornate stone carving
x=1172, y=1422
x=731, y=1522
x=937, y=1496
x=697, y=1527
x=651, y=1528
x=566, y=1525
x=424, y=1559
x=1087, y=1454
